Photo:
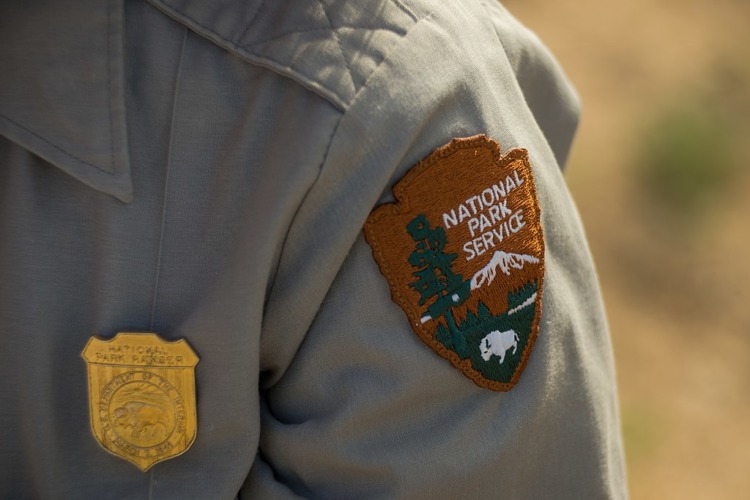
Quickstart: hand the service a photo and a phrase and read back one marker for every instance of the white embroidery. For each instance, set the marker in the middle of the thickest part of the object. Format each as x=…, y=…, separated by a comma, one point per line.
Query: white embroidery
x=525, y=303
x=480, y=202
x=492, y=238
x=505, y=261
x=497, y=343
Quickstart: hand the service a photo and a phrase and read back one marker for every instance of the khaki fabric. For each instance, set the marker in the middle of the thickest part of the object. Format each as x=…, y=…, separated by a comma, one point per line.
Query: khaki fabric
x=203, y=170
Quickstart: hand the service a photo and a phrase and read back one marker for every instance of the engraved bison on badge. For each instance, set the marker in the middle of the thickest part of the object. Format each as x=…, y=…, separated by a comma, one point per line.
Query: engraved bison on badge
x=144, y=421
x=497, y=343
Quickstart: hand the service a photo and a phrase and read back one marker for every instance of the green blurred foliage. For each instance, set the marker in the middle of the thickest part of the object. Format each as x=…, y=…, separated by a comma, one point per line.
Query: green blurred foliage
x=686, y=158
x=694, y=144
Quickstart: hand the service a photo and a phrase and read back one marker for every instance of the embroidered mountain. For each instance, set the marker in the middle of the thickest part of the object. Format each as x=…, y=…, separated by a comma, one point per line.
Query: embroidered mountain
x=505, y=261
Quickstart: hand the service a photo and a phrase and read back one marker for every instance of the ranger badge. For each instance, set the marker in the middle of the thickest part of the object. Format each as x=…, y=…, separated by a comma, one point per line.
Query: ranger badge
x=463, y=252
x=142, y=396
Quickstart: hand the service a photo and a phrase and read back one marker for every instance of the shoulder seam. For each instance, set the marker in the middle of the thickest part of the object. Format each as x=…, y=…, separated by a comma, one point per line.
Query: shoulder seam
x=338, y=89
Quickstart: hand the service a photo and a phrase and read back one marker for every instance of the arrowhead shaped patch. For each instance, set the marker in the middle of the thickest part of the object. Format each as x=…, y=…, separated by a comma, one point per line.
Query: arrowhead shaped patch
x=463, y=252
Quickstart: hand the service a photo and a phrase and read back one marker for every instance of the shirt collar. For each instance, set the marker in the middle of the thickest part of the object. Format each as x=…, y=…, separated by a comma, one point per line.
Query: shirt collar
x=64, y=99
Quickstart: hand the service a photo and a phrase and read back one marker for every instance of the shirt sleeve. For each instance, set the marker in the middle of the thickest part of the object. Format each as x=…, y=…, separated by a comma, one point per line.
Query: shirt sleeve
x=353, y=404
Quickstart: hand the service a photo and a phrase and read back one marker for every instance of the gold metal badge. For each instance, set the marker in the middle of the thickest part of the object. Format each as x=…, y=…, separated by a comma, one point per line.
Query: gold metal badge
x=142, y=396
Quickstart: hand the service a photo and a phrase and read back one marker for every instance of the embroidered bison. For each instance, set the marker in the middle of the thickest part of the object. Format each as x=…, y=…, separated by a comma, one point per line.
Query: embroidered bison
x=497, y=343
x=145, y=421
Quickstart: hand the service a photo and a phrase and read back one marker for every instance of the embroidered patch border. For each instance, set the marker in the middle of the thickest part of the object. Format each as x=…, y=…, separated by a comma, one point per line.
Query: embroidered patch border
x=467, y=210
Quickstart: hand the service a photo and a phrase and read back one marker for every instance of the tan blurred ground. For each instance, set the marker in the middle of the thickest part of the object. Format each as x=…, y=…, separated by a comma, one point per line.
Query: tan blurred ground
x=676, y=282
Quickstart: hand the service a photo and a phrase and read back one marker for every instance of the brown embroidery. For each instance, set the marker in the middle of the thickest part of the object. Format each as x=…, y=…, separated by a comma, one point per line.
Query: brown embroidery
x=463, y=252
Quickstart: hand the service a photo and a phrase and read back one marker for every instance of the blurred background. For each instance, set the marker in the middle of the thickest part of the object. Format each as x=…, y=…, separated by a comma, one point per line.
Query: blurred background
x=659, y=171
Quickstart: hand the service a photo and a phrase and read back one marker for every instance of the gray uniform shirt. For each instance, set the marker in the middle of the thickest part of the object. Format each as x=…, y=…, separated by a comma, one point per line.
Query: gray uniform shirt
x=203, y=170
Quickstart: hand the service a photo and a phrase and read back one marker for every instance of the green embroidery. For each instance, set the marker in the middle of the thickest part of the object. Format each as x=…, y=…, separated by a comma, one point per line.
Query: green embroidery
x=436, y=277
x=435, y=281
x=519, y=322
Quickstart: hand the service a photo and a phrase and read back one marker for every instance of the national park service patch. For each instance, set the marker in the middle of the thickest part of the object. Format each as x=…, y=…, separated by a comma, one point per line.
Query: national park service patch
x=463, y=252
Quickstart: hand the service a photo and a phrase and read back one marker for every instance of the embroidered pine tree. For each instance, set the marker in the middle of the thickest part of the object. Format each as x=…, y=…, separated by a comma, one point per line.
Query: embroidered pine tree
x=435, y=281
x=471, y=320
x=483, y=312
